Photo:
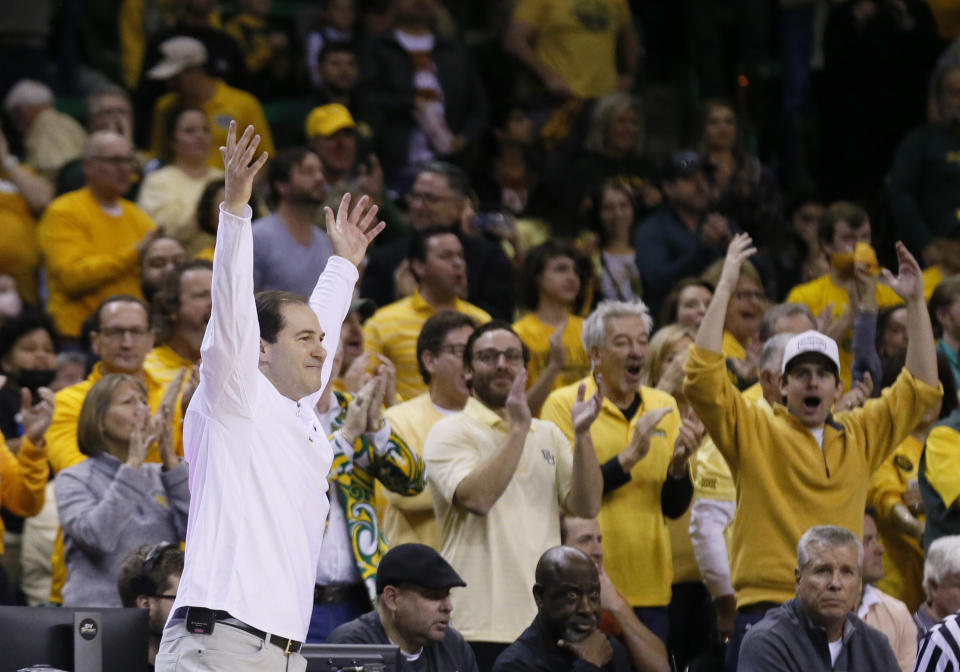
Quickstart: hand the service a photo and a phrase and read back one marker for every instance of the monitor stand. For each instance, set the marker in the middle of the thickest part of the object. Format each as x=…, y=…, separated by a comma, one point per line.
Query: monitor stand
x=87, y=641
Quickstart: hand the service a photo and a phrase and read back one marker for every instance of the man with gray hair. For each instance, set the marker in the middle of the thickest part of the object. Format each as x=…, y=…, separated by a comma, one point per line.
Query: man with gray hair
x=817, y=630
x=940, y=642
x=643, y=446
x=50, y=138
x=941, y=581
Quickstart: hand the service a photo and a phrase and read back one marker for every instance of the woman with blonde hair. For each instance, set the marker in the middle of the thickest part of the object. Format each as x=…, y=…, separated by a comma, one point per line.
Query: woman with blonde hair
x=112, y=502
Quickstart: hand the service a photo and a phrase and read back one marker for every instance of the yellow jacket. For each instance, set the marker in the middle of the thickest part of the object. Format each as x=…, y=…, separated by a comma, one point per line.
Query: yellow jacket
x=89, y=255
x=631, y=519
x=23, y=478
x=19, y=251
x=903, y=560
x=785, y=482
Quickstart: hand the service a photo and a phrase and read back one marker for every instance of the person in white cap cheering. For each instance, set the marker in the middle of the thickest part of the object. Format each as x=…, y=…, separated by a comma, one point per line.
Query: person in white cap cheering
x=801, y=466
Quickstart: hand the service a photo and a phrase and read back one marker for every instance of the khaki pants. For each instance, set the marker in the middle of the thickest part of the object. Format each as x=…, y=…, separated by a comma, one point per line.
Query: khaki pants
x=227, y=649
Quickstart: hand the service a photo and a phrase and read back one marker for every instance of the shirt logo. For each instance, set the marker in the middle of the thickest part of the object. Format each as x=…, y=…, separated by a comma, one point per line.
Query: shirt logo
x=548, y=457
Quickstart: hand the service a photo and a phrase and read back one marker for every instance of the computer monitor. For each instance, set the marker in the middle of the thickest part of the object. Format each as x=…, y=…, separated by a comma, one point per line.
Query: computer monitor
x=34, y=635
x=366, y=657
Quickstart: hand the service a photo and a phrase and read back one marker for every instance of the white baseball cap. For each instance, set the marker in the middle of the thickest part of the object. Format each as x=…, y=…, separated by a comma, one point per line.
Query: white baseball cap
x=810, y=341
x=179, y=53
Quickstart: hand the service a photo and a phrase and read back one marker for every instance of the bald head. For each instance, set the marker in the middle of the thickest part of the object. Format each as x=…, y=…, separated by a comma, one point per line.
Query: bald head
x=567, y=593
x=108, y=164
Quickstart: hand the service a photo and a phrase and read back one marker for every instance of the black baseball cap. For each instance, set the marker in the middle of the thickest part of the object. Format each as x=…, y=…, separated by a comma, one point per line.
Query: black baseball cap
x=416, y=564
x=366, y=307
x=683, y=163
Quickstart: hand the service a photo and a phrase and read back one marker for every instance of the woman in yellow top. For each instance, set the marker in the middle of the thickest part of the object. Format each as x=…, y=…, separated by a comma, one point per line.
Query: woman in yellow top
x=550, y=289
x=741, y=326
x=895, y=494
x=170, y=195
x=690, y=606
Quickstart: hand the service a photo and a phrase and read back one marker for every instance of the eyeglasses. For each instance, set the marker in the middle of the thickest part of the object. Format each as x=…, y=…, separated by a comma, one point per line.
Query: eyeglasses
x=116, y=333
x=491, y=356
x=429, y=199
x=119, y=161
x=749, y=295
x=454, y=349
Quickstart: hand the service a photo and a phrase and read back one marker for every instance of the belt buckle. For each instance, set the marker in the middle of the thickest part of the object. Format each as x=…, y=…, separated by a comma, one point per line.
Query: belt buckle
x=287, y=649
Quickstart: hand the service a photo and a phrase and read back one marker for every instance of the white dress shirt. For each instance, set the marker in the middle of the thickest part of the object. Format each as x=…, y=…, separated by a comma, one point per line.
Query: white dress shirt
x=258, y=460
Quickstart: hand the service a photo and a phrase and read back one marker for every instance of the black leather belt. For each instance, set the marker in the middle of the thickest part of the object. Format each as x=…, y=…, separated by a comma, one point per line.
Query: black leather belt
x=340, y=593
x=189, y=614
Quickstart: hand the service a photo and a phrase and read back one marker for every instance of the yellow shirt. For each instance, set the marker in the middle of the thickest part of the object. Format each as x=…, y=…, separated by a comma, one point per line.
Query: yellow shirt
x=943, y=462
x=411, y=519
x=819, y=293
x=19, y=251
x=206, y=253
x=62, y=450
x=169, y=197
x=23, y=479
x=89, y=255
x=393, y=330
x=577, y=40
x=903, y=559
x=497, y=554
x=164, y=364
x=631, y=519
x=536, y=335
x=785, y=482
x=227, y=103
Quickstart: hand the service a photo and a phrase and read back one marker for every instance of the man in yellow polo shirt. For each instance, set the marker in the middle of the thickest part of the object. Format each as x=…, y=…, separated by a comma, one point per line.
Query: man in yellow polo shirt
x=440, y=347
x=122, y=338
x=182, y=65
x=635, y=436
x=499, y=480
x=801, y=466
x=181, y=310
x=437, y=262
x=91, y=238
x=842, y=226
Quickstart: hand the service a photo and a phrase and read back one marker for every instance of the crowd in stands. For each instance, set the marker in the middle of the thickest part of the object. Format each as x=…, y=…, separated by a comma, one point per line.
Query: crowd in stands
x=655, y=365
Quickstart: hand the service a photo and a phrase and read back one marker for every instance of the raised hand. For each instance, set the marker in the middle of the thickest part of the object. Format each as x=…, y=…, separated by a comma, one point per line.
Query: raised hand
x=689, y=437
x=740, y=248
x=356, y=374
x=239, y=171
x=389, y=373
x=557, y=354
x=518, y=411
x=639, y=445
x=161, y=428
x=35, y=417
x=585, y=411
x=375, y=407
x=140, y=437
x=352, y=231
x=908, y=283
x=355, y=423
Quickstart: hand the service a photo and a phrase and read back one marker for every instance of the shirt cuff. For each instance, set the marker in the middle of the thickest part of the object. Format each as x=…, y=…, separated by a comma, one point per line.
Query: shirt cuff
x=613, y=475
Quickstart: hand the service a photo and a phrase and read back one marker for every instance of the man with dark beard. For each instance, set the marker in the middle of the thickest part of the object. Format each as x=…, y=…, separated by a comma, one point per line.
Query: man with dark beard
x=564, y=634
x=499, y=481
x=290, y=250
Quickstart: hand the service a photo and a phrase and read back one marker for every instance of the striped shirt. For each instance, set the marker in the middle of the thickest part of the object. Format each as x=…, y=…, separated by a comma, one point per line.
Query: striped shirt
x=940, y=647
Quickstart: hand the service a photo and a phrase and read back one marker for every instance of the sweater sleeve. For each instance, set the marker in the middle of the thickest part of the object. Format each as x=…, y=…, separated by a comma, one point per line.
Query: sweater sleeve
x=23, y=478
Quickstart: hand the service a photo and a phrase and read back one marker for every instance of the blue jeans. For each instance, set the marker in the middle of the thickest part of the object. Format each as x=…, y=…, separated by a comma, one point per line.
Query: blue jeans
x=657, y=619
x=326, y=617
x=743, y=622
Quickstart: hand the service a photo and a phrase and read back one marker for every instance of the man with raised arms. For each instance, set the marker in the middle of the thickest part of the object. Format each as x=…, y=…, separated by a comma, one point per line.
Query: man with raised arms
x=258, y=457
